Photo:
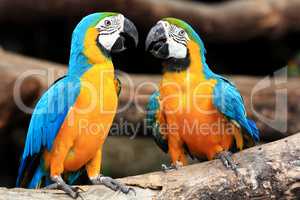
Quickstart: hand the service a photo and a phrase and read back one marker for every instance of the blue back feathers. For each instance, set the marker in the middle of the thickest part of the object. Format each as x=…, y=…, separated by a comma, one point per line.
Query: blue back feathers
x=228, y=101
x=47, y=118
x=50, y=113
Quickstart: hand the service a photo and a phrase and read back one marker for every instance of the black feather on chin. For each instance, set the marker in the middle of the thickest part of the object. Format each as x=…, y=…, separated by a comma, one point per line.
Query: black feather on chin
x=176, y=65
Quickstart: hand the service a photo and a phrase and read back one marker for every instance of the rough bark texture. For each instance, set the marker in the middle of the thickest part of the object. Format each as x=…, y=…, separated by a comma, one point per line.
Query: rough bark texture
x=270, y=171
x=135, y=93
x=229, y=20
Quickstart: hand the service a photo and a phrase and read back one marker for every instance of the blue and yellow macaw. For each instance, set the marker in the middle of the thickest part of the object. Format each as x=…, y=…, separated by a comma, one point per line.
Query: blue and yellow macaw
x=195, y=110
x=72, y=119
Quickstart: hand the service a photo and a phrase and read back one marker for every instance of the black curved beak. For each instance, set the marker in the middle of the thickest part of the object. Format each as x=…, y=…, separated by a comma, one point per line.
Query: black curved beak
x=128, y=37
x=156, y=42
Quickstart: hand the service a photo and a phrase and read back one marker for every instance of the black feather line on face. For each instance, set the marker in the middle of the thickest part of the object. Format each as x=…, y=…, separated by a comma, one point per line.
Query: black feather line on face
x=107, y=32
x=183, y=42
x=176, y=65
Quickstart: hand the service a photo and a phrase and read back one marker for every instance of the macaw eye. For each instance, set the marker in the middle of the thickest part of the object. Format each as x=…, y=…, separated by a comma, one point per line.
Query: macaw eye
x=181, y=32
x=107, y=22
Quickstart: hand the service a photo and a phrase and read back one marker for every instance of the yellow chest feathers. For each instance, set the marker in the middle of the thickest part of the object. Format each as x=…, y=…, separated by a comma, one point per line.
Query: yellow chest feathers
x=184, y=92
x=98, y=90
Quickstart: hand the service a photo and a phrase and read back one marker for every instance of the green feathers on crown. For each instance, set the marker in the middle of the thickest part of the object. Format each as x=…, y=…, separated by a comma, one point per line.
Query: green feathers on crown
x=189, y=30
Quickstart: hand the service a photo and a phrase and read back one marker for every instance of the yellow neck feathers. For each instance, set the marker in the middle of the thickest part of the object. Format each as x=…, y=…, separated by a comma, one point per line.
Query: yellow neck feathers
x=195, y=69
x=196, y=66
x=91, y=50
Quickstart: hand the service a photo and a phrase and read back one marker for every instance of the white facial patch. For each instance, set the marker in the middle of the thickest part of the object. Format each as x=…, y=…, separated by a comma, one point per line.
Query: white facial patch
x=109, y=30
x=176, y=50
x=107, y=41
x=176, y=39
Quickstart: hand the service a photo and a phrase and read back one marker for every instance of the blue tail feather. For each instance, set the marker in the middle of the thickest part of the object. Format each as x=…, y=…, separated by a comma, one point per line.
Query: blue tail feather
x=48, y=181
x=28, y=169
x=73, y=176
x=20, y=173
x=253, y=130
x=37, y=178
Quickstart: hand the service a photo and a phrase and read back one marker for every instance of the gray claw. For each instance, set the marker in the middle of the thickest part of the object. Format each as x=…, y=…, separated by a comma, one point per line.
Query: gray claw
x=112, y=184
x=228, y=162
x=61, y=185
x=176, y=166
x=131, y=189
x=166, y=168
x=81, y=197
x=76, y=189
x=53, y=186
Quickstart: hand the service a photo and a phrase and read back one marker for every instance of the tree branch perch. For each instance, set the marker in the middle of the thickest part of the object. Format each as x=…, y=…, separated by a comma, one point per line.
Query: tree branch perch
x=269, y=171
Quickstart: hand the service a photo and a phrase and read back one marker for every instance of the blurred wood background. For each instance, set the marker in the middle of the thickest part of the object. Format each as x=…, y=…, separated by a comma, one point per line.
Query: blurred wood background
x=237, y=20
x=242, y=37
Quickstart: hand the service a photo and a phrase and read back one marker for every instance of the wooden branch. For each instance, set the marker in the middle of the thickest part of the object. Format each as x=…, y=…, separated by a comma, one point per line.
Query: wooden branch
x=270, y=171
x=12, y=66
x=230, y=20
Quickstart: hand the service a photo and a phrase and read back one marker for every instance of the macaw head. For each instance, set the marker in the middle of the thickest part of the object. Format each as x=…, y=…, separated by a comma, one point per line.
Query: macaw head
x=175, y=42
x=98, y=35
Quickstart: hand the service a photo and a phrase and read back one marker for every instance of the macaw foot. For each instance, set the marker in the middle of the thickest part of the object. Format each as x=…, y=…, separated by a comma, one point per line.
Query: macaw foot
x=175, y=166
x=60, y=184
x=112, y=184
x=228, y=162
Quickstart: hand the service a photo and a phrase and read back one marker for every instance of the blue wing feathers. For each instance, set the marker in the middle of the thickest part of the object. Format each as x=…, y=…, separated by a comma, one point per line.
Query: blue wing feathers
x=152, y=122
x=229, y=102
x=254, y=130
x=48, y=116
x=152, y=107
